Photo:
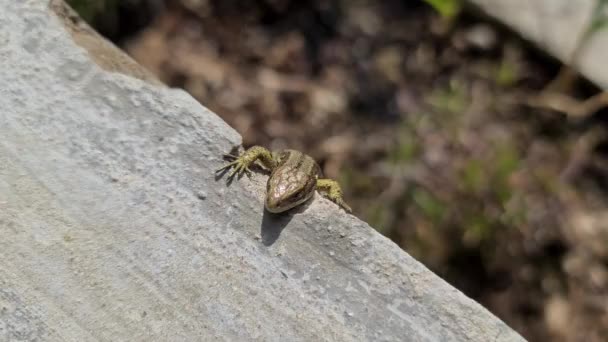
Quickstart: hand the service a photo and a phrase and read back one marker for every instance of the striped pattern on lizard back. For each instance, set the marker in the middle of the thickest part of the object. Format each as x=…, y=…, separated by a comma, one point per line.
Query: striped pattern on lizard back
x=292, y=182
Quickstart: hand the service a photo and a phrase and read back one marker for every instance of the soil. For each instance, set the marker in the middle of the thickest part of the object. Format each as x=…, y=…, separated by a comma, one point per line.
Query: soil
x=423, y=121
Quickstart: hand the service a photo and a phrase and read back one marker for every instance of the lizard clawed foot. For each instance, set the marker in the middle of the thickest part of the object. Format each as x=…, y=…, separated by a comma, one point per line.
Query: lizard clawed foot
x=333, y=192
x=342, y=204
x=241, y=166
x=242, y=163
x=231, y=156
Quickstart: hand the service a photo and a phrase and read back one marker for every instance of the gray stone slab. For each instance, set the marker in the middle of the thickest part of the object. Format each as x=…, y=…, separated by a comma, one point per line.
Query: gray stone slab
x=114, y=228
x=556, y=26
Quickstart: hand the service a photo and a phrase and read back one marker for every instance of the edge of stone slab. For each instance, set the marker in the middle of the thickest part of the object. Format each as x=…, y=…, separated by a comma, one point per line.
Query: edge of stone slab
x=115, y=61
x=544, y=29
x=105, y=54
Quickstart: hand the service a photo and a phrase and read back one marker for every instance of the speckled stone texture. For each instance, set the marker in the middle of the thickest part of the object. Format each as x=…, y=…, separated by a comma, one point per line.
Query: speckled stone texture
x=113, y=226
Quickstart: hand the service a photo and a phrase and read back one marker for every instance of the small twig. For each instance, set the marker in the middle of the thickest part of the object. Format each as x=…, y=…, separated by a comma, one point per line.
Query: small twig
x=552, y=96
x=566, y=104
x=564, y=81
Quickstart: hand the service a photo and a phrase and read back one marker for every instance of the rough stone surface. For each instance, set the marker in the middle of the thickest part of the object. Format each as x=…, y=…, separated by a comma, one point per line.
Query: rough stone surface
x=114, y=228
x=556, y=26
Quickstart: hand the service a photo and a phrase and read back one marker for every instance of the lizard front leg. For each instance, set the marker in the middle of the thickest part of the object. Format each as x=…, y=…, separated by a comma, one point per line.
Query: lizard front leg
x=333, y=192
x=241, y=163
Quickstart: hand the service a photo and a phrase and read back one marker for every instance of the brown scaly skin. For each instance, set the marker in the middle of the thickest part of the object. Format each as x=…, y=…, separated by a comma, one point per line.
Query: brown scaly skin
x=293, y=179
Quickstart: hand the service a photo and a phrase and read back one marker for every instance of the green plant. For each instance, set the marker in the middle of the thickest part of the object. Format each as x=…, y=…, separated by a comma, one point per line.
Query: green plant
x=452, y=99
x=473, y=176
x=407, y=146
x=507, y=161
x=429, y=205
x=506, y=73
x=88, y=9
x=447, y=8
x=599, y=18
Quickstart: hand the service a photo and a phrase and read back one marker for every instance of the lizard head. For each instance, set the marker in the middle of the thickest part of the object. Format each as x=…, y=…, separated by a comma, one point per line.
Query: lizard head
x=286, y=190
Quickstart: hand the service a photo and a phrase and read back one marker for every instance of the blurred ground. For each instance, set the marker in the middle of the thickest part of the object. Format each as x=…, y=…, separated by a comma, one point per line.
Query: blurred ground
x=422, y=121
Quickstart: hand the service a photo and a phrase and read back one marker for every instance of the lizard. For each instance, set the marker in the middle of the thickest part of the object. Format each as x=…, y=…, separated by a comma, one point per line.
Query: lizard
x=294, y=177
